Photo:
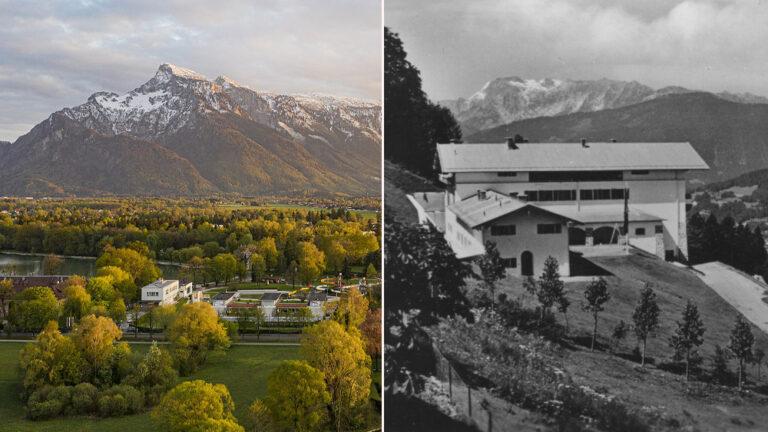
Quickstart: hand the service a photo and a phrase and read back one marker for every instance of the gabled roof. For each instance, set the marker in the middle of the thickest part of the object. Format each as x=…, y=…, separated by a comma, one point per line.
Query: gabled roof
x=475, y=211
x=599, y=156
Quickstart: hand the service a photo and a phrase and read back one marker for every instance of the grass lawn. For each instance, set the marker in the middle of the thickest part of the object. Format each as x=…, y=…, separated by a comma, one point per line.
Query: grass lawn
x=243, y=369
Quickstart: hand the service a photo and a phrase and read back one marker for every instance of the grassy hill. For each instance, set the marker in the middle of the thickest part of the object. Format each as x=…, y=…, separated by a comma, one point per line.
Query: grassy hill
x=398, y=182
x=656, y=389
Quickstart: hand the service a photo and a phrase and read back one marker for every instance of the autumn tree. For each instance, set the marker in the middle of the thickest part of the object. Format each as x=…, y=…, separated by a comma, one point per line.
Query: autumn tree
x=351, y=311
x=646, y=318
x=258, y=267
x=311, y=262
x=77, y=302
x=141, y=268
x=688, y=335
x=371, y=334
x=122, y=281
x=52, y=360
x=370, y=272
x=95, y=337
x=596, y=296
x=297, y=397
x=492, y=269
x=52, y=264
x=341, y=358
x=741, y=344
x=195, y=331
x=197, y=406
x=33, y=308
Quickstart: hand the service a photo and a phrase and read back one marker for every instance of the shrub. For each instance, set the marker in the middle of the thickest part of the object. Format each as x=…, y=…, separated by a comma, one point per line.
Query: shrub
x=49, y=402
x=120, y=400
x=84, y=397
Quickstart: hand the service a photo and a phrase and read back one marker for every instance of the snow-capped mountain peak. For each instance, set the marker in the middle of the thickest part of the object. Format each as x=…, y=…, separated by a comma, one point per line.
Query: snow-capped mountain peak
x=167, y=71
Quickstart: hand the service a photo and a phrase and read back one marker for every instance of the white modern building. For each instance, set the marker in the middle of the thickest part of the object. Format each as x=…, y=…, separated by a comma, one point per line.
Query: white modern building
x=161, y=291
x=540, y=199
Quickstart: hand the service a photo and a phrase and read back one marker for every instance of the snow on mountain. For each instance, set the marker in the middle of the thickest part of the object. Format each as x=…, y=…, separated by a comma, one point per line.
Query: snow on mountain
x=509, y=99
x=176, y=95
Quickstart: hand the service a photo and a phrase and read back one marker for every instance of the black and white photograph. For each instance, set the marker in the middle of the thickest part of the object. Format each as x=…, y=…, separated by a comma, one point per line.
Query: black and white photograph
x=575, y=196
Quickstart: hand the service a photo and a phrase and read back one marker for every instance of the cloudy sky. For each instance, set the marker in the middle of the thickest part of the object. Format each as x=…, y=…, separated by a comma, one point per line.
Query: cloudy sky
x=702, y=44
x=55, y=54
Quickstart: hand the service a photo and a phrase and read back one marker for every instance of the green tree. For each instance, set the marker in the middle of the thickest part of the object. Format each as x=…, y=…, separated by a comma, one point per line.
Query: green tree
x=688, y=335
x=197, y=406
x=492, y=269
x=370, y=272
x=141, y=268
x=596, y=296
x=646, y=318
x=341, y=358
x=95, y=337
x=77, y=302
x=351, y=310
x=193, y=334
x=258, y=267
x=154, y=374
x=6, y=294
x=33, y=308
x=297, y=397
x=741, y=344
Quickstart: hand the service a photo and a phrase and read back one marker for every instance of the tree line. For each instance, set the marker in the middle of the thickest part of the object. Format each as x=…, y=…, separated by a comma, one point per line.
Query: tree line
x=728, y=242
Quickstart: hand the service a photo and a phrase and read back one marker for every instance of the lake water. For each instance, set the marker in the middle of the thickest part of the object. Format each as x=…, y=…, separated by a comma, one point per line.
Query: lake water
x=11, y=264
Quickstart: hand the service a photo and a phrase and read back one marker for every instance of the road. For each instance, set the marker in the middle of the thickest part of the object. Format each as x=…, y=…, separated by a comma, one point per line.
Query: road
x=741, y=291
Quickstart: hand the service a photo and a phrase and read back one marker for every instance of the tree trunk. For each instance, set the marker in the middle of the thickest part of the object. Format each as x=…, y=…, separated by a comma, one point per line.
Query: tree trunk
x=741, y=367
x=642, y=355
x=594, y=334
x=687, y=363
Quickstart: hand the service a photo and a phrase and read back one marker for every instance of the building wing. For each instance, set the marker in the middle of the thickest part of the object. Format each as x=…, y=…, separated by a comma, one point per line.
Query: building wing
x=598, y=156
x=487, y=206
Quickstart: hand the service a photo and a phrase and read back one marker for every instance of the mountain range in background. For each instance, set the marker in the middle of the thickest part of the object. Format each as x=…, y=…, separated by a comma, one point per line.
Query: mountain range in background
x=505, y=100
x=732, y=137
x=182, y=134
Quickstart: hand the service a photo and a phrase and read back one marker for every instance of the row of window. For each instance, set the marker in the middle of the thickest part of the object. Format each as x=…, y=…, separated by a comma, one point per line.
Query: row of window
x=505, y=230
x=570, y=194
x=573, y=176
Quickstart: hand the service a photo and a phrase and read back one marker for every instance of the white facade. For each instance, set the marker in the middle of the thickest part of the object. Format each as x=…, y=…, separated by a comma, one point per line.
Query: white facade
x=538, y=200
x=161, y=291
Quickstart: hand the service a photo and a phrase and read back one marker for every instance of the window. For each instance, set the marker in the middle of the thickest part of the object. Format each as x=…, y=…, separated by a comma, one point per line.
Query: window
x=549, y=228
x=640, y=231
x=640, y=172
x=532, y=195
x=565, y=195
x=574, y=176
x=506, y=174
x=509, y=262
x=602, y=194
x=503, y=230
x=586, y=194
x=659, y=229
x=546, y=195
x=618, y=194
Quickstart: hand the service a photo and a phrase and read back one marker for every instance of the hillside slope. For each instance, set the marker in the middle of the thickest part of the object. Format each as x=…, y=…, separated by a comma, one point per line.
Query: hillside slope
x=731, y=137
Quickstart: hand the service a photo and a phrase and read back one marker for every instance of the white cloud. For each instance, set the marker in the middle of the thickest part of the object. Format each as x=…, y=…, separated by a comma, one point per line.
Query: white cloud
x=713, y=45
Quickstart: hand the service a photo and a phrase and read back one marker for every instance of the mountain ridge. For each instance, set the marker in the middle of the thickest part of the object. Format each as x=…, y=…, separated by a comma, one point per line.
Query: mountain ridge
x=217, y=136
x=504, y=100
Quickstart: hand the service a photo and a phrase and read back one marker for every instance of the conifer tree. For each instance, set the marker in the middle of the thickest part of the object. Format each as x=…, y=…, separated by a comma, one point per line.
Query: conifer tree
x=741, y=344
x=688, y=336
x=492, y=269
x=596, y=296
x=550, y=286
x=646, y=318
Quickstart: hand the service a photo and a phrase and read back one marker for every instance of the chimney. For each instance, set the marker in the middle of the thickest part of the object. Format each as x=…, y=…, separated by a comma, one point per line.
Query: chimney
x=481, y=195
x=511, y=143
x=584, y=143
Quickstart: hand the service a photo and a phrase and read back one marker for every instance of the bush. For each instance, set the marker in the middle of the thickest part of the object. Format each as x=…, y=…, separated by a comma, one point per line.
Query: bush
x=48, y=402
x=120, y=400
x=84, y=397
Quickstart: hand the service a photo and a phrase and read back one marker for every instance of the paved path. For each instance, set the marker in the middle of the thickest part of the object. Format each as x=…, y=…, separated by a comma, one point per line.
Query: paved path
x=741, y=291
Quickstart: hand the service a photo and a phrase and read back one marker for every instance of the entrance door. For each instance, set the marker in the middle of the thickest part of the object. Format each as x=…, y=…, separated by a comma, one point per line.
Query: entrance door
x=526, y=263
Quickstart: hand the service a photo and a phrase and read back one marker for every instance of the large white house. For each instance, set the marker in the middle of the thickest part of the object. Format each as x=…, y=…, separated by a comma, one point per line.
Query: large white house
x=540, y=199
x=161, y=291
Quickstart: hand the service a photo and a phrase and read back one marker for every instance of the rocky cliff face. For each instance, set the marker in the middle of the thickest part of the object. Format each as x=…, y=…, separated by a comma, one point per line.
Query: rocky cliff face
x=213, y=135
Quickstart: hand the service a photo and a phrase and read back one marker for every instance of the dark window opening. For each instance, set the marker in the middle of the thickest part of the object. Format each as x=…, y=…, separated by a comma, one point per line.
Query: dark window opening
x=602, y=194
x=659, y=229
x=549, y=228
x=510, y=262
x=574, y=176
x=506, y=174
x=532, y=195
x=546, y=195
x=639, y=231
x=640, y=172
x=503, y=230
x=586, y=194
x=618, y=194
